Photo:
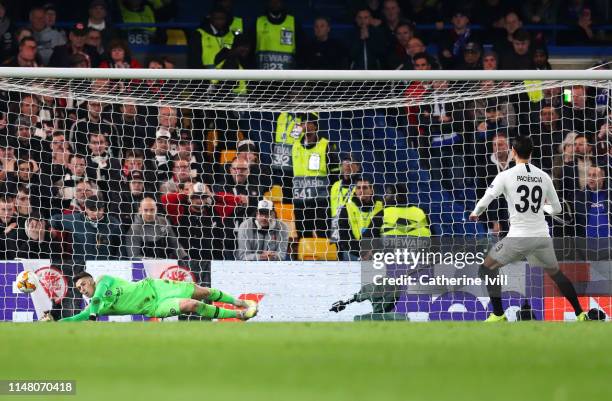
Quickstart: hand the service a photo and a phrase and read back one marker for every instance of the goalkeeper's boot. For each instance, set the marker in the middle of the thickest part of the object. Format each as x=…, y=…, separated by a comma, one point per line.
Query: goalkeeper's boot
x=583, y=317
x=250, y=311
x=493, y=318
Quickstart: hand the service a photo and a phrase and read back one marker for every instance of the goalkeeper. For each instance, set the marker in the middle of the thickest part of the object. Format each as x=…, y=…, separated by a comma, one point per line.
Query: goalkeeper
x=153, y=298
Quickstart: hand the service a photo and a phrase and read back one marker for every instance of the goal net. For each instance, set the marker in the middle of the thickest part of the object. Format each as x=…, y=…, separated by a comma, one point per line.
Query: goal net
x=321, y=195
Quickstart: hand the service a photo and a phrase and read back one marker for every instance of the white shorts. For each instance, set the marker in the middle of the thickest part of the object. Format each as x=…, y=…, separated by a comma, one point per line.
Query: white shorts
x=538, y=251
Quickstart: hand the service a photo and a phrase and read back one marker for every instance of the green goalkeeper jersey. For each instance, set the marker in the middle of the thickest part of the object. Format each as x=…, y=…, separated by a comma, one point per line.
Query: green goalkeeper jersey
x=115, y=296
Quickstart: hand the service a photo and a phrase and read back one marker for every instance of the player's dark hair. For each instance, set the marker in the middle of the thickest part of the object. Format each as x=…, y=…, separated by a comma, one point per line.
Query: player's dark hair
x=81, y=275
x=523, y=146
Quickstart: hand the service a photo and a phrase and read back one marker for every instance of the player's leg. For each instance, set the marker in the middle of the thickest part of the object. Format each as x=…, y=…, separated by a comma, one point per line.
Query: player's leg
x=545, y=257
x=504, y=252
x=175, y=306
x=213, y=295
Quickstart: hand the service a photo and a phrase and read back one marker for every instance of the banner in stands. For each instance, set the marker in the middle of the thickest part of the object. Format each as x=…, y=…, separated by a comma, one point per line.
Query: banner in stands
x=293, y=291
x=305, y=291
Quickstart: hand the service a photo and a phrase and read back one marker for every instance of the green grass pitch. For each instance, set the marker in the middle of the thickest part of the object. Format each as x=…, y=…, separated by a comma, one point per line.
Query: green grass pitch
x=300, y=361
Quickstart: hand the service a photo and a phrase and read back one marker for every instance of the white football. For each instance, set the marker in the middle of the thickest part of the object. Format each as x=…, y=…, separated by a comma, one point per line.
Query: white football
x=27, y=281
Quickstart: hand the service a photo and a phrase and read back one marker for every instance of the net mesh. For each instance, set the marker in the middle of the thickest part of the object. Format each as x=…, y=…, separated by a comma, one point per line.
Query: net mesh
x=80, y=155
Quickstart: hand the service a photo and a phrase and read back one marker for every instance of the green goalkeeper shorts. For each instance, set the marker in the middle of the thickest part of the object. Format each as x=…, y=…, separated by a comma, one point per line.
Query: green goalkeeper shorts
x=169, y=295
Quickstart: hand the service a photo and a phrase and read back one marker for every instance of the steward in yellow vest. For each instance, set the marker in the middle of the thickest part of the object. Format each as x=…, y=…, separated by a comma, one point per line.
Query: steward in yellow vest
x=235, y=58
x=355, y=219
x=343, y=189
x=277, y=38
x=315, y=164
x=132, y=13
x=400, y=219
x=213, y=36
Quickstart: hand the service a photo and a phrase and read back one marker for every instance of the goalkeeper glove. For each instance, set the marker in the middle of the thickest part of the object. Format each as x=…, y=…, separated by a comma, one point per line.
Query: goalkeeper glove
x=339, y=306
x=93, y=317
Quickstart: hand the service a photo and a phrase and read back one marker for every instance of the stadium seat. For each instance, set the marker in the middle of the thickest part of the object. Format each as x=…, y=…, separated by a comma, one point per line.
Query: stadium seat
x=176, y=37
x=275, y=194
x=227, y=156
x=317, y=249
x=284, y=212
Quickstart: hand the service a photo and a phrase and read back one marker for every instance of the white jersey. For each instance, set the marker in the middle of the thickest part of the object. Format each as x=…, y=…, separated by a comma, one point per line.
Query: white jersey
x=526, y=189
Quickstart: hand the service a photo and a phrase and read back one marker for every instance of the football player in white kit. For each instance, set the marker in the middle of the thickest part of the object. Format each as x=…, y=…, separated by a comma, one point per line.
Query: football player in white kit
x=528, y=191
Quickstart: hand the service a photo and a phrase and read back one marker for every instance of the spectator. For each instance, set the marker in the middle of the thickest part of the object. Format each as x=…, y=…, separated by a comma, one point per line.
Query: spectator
x=133, y=191
x=119, y=56
x=262, y=237
x=356, y=218
x=406, y=46
x=27, y=55
x=237, y=57
x=133, y=161
x=315, y=164
x=512, y=23
x=151, y=236
x=23, y=206
x=342, y=190
x=138, y=11
x=392, y=17
x=24, y=142
x=594, y=206
x=443, y=126
x=39, y=186
x=38, y=243
x=490, y=60
x=564, y=156
x=261, y=174
x=83, y=190
x=94, y=40
x=95, y=234
x=158, y=158
x=278, y=38
x=579, y=113
x=452, y=43
x=547, y=136
x=499, y=159
x=8, y=160
x=519, y=57
x=8, y=227
x=95, y=121
x=66, y=187
x=471, y=57
x=324, y=52
x=181, y=173
x=77, y=44
x=101, y=166
x=46, y=38
x=56, y=157
x=575, y=171
x=213, y=35
x=540, y=58
x=131, y=127
x=237, y=197
x=186, y=150
x=167, y=123
x=582, y=32
x=368, y=46
x=98, y=23
x=236, y=23
x=201, y=231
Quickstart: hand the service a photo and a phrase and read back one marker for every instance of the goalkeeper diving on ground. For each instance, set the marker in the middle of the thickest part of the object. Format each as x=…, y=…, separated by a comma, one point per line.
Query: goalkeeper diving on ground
x=153, y=298
x=526, y=188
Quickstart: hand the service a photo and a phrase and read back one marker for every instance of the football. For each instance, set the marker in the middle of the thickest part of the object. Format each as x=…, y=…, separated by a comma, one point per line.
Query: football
x=27, y=281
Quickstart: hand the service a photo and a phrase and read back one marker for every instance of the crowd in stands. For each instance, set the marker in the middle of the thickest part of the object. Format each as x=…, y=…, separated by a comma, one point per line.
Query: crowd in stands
x=85, y=179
